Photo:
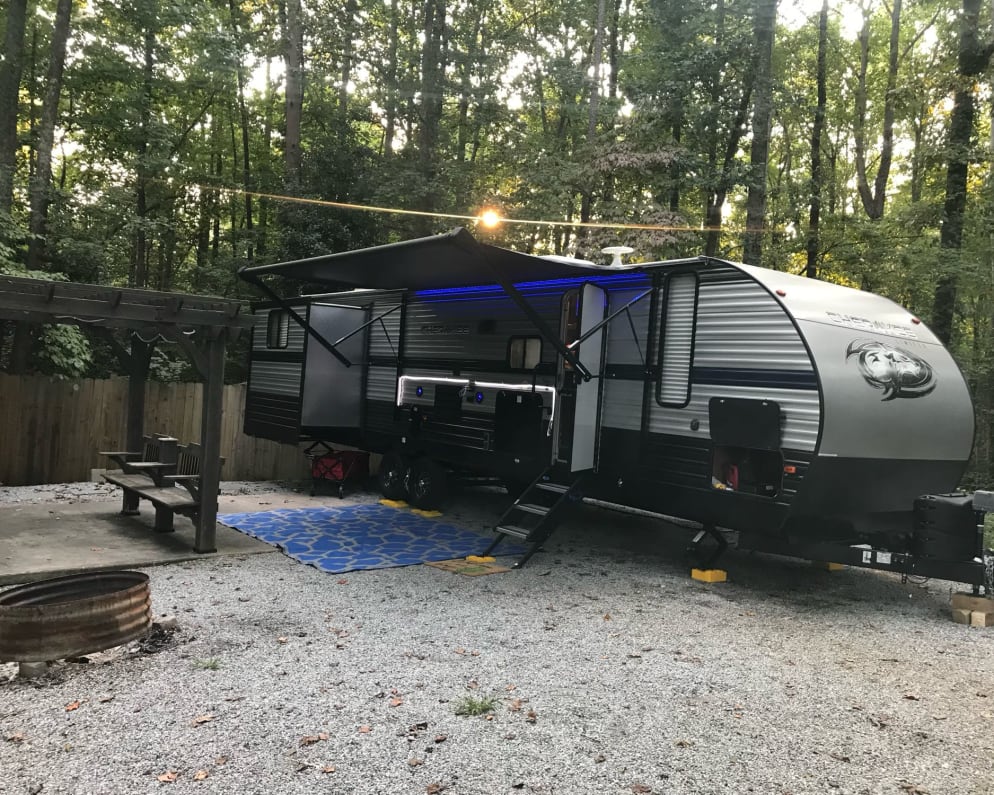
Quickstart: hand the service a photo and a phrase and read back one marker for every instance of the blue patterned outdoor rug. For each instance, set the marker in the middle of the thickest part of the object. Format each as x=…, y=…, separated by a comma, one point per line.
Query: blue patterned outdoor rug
x=355, y=537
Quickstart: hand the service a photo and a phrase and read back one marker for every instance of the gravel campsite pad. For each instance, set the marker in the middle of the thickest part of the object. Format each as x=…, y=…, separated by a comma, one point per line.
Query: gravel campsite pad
x=600, y=667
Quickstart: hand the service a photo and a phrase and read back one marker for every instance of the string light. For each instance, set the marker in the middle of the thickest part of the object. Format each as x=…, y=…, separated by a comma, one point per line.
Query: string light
x=490, y=218
x=484, y=218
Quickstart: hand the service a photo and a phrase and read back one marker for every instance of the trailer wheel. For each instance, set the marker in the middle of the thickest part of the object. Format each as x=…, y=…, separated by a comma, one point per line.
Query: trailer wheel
x=393, y=476
x=427, y=484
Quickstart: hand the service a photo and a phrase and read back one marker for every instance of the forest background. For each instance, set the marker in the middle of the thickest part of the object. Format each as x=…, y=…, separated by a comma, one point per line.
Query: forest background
x=167, y=144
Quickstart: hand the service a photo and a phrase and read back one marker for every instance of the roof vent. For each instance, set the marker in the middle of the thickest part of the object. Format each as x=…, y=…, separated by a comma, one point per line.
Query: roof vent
x=615, y=252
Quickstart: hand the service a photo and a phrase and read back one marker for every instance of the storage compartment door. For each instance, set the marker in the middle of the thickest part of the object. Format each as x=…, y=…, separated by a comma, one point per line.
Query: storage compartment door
x=332, y=393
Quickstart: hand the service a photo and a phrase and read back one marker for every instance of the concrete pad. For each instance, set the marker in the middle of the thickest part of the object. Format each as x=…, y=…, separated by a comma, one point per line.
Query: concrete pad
x=38, y=541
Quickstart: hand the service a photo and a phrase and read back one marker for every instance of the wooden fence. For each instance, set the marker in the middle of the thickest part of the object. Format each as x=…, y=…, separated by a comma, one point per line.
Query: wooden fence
x=51, y=431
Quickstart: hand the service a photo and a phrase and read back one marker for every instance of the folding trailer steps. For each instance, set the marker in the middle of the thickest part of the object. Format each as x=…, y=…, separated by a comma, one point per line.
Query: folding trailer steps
x=538, y=510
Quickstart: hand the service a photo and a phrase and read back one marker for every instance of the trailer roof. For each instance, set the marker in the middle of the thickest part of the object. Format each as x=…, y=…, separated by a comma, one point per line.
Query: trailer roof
x=453, y=259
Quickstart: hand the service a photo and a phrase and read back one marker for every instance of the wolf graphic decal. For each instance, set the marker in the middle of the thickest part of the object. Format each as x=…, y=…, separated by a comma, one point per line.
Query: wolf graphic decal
x=899, y=373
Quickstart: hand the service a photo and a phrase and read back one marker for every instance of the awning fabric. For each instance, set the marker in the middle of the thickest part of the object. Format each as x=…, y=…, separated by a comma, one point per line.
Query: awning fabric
x=453, y=259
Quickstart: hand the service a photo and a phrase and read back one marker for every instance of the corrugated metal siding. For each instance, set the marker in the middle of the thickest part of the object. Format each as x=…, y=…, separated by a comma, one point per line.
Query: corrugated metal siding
x=278, y=378
x=740, y=325
x=621, y=405
x=799, y=408
x=678, y=337
x=380, y=344
x=621, y=347
x=381, y=384
x=451, y=328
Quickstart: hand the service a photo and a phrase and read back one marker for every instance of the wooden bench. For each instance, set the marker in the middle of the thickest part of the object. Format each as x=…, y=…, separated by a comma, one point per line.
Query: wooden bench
x=156, y=474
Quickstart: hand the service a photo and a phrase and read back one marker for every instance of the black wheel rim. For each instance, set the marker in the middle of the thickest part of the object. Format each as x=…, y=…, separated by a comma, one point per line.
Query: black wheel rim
x=392, y=478
x=420, y=485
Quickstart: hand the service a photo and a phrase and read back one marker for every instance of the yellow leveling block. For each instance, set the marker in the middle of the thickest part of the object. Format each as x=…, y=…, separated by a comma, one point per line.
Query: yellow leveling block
x=709, y=575
x=394, y=503
x=826, y=566
x=426, y=514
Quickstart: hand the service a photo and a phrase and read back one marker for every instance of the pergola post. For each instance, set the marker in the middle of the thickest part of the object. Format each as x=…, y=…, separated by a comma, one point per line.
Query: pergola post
x=137, y=375
x=210, y=441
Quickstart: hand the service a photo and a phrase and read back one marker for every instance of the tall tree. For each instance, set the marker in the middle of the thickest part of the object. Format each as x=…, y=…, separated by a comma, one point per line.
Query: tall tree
x=873, y=199
x=764, y=26
x=10, y=83
x=973, y=58
x=42, y=177
x=433, y=59
x=243, y=118
x=294, y=43
x=814, y=212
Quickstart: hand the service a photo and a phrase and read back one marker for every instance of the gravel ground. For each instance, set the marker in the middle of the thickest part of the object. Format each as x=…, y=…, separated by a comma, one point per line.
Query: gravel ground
x=609, y=671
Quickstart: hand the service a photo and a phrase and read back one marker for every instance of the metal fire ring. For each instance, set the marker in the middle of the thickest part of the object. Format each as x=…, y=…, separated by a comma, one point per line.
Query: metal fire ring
x=74, y=615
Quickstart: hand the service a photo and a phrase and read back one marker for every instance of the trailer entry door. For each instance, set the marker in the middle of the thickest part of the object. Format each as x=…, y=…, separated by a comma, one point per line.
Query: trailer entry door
x=580, y=400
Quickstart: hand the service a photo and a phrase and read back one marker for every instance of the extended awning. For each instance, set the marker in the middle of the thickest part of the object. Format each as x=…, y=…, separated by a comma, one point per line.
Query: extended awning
x=453, y=259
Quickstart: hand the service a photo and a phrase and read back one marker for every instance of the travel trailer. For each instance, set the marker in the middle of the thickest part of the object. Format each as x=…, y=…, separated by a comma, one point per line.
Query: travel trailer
x=793, y=415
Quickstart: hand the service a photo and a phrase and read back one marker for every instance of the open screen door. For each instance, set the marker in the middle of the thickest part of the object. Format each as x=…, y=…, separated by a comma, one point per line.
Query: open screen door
x=332, y=392
x=580, y=400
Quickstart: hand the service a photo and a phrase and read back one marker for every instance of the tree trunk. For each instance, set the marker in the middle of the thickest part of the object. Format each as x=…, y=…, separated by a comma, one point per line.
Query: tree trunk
x=391, y=84
x=716, y=198
x=873, y=199
x=138, y=276
x=814, y=213
x=593, y=110
x=294, y=36
x=10, y=83
x=262, y=238
x=466, y=88
x=244, y=122
x=41, y=183
x=432, y=85
x=762, y=111
x=972, y=61
x=348, y=45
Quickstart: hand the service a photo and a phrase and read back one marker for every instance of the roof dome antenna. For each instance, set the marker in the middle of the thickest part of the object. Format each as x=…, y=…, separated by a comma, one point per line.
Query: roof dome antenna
x=616, y=252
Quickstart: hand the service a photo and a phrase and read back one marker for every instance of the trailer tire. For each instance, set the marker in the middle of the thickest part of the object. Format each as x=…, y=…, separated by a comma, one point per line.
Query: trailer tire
x=393, y=476
x=427, y=484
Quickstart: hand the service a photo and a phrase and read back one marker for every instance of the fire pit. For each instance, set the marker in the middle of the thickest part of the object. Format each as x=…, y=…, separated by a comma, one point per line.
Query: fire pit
x=74, y=615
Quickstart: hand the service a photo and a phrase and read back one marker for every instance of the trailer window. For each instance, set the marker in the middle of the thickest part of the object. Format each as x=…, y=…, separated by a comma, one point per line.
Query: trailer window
x=278, y=329
x=677, y=327
x=524, y=353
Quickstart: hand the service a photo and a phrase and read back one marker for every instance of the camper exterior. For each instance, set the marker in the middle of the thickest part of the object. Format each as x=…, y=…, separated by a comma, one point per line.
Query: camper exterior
x=807, y=416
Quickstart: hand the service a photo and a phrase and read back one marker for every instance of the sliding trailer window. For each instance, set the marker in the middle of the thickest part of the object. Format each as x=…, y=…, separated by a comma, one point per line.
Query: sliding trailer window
x=278, y=329
x=677, y=329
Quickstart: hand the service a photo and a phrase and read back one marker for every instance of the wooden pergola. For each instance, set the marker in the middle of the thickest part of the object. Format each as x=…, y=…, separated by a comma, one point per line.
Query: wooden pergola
x=200, y=325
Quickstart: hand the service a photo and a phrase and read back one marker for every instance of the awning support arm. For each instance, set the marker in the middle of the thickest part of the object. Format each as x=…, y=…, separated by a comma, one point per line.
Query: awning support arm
x=535, y=318
x=377, y=319
x=597, y=327
x=251, y=277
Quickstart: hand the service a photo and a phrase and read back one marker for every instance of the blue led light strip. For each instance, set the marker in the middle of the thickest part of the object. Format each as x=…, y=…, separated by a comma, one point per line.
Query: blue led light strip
x=614, y=279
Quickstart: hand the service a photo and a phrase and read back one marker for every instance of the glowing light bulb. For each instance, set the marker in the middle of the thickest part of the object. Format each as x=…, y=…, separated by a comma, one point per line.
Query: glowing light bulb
x=490, y=218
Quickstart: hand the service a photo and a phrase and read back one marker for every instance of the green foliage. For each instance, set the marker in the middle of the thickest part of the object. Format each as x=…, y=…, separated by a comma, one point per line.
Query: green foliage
x=63, y=351
x=472, y=706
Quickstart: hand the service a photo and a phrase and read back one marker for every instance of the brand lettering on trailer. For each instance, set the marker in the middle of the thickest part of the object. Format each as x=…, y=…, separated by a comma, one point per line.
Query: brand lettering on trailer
x=442, y=329
x=866, y=324
x=899, y=373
